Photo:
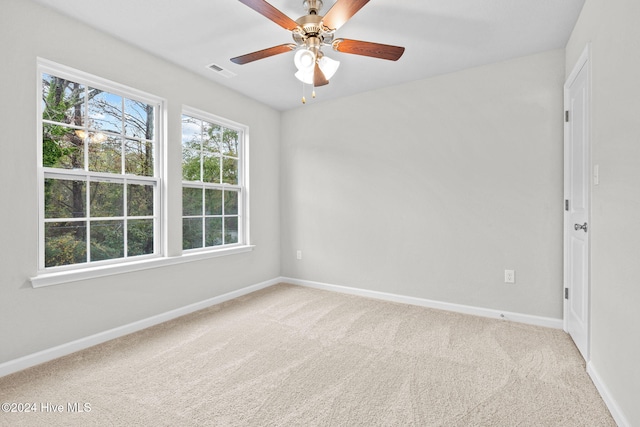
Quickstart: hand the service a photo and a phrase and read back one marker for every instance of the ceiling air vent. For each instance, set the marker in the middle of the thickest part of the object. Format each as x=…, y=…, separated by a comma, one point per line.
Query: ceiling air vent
x=221, y=71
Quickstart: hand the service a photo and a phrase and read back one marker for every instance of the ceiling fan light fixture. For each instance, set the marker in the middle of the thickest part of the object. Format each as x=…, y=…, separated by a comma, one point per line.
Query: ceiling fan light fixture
x=304, y=60
x=328, y=66
x=305, y=76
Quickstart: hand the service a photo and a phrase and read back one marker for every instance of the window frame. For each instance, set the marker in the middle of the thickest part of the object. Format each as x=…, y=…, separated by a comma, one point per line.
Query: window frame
x=169, y=251
x=157, y=180
x=242, y=187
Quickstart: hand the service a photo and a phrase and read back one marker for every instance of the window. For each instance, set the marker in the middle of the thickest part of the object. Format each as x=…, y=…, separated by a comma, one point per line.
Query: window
x=99, y=173
x=213, y=187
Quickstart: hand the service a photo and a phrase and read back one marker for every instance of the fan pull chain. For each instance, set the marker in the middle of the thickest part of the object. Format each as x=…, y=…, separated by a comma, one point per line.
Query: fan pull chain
x=313, y=93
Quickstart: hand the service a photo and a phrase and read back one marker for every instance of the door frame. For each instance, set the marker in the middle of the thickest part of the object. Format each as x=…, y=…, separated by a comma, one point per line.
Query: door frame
x=584, y=62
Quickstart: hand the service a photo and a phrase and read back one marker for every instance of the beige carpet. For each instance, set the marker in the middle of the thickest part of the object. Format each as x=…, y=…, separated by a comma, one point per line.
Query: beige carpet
x=294, y=356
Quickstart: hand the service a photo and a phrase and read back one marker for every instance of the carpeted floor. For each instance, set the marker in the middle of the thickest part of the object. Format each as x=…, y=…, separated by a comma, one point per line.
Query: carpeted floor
x=294, y=356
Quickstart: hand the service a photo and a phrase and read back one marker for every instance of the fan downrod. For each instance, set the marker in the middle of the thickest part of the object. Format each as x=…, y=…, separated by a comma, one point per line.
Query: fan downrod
x=312, y=6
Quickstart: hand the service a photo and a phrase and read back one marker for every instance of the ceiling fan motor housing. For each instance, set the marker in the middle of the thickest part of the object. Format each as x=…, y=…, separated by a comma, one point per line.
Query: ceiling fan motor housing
x=310, y=27
x=310, y=24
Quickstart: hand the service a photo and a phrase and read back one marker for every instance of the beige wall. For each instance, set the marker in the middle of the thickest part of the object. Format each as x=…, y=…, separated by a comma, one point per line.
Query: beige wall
x=37, y=319
x=433, y=188
x=612, y=28
x=429, y=189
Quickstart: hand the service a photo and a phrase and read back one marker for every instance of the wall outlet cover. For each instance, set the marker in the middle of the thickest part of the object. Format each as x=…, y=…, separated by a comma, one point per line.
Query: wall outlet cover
x=509, y=276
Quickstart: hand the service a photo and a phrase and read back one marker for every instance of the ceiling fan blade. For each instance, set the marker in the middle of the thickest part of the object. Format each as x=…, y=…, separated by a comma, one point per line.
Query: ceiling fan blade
x=264, y=53
x=319, y=78
x=341, y=12
x=375, y=50
x=267, y=10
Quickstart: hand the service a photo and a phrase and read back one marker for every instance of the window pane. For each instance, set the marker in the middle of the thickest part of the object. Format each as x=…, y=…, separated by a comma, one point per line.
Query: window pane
x=211, y=136
x=105, y=153
x=62, y=147
x=231, y=203
x=139, y=200
x=229, y=171
x=107, y=199
x=230, y=143
x=191, y=201
x=64, y=198
x=105, y=111
x=191, y=233
x=107, y=240
x=231, y=230
x=213, y=202
x=211, y=168
x=65, y=243
x=191, y=130
x=138, y=157
x=213, y=229
x=191, y=148
x=62, y=100
x=139, y=237
x=138, y=119
x=190, y=165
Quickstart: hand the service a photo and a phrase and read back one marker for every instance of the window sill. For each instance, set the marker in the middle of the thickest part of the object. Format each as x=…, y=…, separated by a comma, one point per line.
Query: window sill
x=49, y=279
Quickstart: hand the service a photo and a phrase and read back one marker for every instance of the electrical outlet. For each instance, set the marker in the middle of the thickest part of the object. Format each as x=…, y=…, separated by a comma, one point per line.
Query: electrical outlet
x=298, y=254
x=509, y=276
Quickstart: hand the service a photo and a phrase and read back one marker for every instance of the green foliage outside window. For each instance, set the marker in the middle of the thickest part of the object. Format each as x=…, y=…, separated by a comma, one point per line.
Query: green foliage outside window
x=90, y=130
x=210, y=159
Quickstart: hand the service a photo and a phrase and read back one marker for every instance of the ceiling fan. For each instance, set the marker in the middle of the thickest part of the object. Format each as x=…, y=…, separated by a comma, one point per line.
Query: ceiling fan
x=313, y=31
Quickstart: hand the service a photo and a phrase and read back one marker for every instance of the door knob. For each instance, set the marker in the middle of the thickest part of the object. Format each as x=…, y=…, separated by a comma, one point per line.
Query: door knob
x=579, y=227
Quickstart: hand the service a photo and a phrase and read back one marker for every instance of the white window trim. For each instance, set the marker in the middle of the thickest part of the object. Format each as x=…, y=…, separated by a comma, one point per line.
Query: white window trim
x=49, y=279
x=243, y=168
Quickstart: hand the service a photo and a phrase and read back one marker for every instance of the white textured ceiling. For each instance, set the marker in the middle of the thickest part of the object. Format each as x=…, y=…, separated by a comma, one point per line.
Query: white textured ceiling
x=440, y=36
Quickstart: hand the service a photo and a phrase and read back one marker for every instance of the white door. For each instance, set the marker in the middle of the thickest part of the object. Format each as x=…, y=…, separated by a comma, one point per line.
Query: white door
x=577, y=165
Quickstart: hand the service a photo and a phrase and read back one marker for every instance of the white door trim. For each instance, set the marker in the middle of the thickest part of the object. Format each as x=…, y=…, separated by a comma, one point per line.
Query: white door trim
x=583, y=61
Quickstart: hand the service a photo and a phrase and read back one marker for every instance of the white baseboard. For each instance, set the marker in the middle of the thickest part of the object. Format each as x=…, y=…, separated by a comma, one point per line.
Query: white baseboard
x=613, y=407
x=34, y=359
x=465, y=309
